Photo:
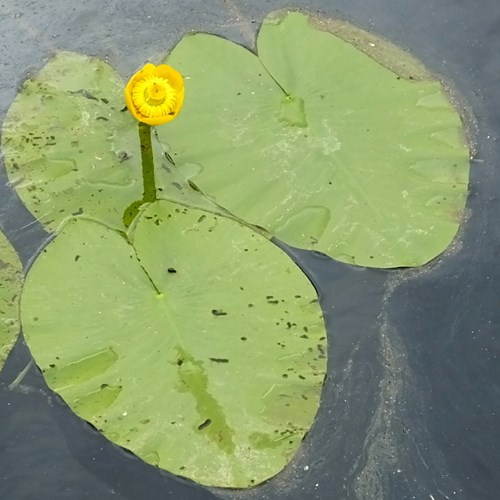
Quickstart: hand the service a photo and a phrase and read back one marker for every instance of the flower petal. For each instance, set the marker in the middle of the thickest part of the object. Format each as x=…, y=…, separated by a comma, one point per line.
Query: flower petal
x=175, y=82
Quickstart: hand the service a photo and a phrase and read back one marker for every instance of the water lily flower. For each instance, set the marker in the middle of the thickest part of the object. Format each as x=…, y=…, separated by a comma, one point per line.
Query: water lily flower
x=154, y=95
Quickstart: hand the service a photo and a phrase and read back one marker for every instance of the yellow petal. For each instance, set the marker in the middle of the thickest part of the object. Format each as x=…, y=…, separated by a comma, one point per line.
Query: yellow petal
x=155, y=94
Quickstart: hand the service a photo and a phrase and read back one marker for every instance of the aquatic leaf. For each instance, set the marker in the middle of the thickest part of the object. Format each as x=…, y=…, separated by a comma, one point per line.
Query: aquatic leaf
x=10, y=287
x=70, y=149
x=195, y=343
x=325, y=146
x=345, y=155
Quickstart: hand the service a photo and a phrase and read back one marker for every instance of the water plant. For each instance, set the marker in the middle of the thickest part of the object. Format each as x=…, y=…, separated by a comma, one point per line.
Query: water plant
x=162, y=311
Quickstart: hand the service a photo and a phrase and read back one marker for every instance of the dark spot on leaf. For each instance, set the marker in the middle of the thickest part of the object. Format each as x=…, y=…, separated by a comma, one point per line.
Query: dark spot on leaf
x=193, y=186
x=219, y=360
x=123, y=156
x=77, y=257
x=218, y=312
x=204, y=424
x=78, y=212
x=84, y=93
x=243, y=338
x=171, y=270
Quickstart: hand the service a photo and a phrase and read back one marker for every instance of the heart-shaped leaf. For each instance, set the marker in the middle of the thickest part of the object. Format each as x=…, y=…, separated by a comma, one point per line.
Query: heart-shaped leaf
x=197, y=344
x=10, y=287
x=70, y=149
x=344, y=155
x=320, y=143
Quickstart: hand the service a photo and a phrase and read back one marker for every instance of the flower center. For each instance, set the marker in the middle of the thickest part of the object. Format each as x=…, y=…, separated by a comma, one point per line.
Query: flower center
x=154, y=96
x=155, y=93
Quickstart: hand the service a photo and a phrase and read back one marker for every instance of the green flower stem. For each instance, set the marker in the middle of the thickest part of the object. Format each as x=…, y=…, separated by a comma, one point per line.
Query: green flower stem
x=148, y=176
x=148, y=166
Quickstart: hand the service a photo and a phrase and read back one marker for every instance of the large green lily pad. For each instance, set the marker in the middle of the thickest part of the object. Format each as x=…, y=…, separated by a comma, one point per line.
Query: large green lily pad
x=10, y=287
x=71, y=149
x=316, y=139
x=320, y=143
x=195, y=343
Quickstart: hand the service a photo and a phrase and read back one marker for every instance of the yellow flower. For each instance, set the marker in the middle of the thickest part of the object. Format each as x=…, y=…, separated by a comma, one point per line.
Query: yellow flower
x=154, y=95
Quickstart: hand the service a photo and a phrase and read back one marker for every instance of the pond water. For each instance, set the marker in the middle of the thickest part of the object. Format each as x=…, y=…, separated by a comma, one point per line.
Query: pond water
x=410, y=407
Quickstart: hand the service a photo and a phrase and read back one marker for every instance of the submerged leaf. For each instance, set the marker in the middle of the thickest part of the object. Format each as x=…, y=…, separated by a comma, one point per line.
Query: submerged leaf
x=200, y=346
x=10, y=287
x=322, y=145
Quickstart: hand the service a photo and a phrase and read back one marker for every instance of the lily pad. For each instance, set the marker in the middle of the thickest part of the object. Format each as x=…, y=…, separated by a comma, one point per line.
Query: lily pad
x=195, y=342
x=10, y=287
x=71, y=149
x=349, y=145
x=323, y=145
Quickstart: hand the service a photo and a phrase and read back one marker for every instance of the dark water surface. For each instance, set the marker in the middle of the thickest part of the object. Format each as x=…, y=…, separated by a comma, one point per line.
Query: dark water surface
x=411, y=406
